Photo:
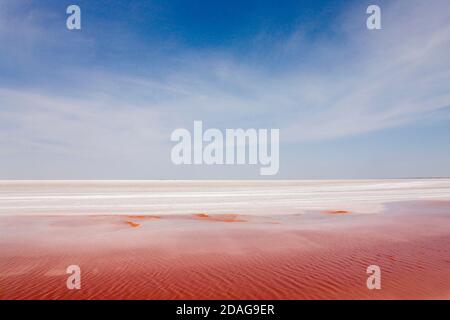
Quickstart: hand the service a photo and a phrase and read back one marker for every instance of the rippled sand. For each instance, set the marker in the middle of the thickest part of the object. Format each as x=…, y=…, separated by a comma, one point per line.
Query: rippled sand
x=313, y=253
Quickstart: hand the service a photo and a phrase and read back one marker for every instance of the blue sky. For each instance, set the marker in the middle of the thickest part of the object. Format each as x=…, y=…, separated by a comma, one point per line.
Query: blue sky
x=101, y=102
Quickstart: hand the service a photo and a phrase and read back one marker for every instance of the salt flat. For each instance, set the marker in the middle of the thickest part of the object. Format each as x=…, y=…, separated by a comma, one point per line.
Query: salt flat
x=250, y=197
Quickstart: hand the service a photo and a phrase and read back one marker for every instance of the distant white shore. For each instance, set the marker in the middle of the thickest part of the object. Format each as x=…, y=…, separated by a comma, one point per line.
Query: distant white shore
x=250, y=197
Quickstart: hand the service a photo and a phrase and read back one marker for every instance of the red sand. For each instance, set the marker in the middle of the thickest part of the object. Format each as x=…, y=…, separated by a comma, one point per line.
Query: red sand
x=311, y=256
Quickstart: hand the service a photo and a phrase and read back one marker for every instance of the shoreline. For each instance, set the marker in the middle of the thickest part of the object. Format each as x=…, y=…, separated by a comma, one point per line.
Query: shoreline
x=218, y=197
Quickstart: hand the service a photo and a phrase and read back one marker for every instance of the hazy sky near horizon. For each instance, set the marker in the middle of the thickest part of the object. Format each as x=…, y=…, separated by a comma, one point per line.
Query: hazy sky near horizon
x=101, y=102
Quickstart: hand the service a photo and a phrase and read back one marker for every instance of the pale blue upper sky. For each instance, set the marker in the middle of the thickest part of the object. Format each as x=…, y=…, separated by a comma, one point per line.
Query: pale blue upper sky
x=101, y=102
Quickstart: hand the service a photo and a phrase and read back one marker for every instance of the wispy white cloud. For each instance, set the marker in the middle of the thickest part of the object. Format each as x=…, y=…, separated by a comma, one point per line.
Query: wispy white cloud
x=85, y=127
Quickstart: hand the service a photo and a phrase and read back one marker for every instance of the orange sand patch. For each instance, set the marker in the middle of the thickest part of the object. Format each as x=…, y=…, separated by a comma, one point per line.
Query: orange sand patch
x=144, y=217
x=201, y=215
x=133, y=224
x=336, y=211
x=220, y=217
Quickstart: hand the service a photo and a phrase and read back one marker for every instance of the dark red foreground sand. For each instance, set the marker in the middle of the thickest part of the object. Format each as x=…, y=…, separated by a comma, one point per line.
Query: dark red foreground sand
x=320, y=255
